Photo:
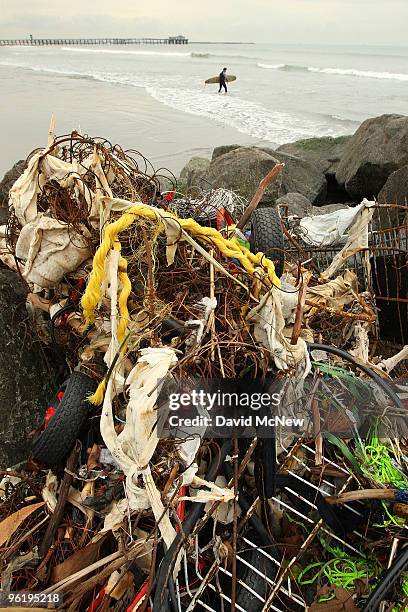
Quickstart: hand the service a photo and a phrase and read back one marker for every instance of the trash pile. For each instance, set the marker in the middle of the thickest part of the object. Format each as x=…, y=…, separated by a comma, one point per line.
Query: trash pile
x=147, y=292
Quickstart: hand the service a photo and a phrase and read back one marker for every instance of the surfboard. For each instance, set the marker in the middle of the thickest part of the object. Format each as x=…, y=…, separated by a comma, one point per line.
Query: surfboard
x=229, y=78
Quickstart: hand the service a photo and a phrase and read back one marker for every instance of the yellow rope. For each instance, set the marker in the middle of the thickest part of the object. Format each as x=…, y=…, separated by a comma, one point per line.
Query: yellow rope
x=93, y=295
x=123, y=299
x=97, y=397
x=230, y=248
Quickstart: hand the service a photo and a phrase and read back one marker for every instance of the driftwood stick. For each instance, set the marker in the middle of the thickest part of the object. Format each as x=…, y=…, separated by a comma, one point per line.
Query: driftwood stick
x=400, y=510
x=63, y=585
x=300, y=309
x=80, y=589
x=273, y=174
x=61, y=503
x=343, y=498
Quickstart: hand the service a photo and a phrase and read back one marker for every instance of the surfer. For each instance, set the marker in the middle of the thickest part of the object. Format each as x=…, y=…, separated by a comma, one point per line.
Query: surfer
x=223, y=80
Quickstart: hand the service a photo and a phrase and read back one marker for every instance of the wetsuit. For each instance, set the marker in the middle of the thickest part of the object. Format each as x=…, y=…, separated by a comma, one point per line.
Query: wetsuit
x=223, y=81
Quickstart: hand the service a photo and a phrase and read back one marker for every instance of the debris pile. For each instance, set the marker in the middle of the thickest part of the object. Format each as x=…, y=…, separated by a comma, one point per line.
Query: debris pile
x=151, y=296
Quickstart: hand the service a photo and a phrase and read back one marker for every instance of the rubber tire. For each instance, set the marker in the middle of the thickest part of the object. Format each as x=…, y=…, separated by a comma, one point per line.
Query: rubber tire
x=267, y=236
x=256, y=559
x=53, y=444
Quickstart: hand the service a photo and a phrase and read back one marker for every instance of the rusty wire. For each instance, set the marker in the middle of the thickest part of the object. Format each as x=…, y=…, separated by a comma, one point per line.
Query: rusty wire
x=130, y=174
x=164, y=292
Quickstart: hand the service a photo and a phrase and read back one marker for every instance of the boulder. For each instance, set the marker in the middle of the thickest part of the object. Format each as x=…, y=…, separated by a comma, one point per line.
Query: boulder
x=301, y=176
x=297, y=204
x=301, y=207
x=218, y=151
x=242, y=168
x=377, y=149
x=194, y=170
x=8, y=180
x=326, y=152
x=395, y=190
x=25, y=381
x=327, y=208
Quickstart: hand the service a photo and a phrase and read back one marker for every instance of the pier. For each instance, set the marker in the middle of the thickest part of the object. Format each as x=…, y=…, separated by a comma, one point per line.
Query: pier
x=42, y=42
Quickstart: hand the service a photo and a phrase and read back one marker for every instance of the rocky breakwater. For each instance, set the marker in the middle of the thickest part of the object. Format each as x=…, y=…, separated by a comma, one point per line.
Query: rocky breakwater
x=341, y=171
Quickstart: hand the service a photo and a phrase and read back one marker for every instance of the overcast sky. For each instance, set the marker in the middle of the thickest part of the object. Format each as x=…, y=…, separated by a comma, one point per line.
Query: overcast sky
x=280, y=21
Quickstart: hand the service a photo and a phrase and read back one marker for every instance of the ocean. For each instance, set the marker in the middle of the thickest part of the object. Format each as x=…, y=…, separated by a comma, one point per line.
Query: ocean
x=153, y=98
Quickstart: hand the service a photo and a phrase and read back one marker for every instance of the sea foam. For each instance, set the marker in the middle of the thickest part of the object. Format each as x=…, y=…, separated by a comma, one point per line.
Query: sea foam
x=369, y=74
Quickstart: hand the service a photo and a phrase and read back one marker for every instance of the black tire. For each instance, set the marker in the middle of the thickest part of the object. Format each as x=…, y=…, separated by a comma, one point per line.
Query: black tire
x=53, y=444
x=250, y=576
x=267, y=236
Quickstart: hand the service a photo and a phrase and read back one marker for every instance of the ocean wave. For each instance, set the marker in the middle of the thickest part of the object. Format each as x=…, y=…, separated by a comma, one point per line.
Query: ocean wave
x=127, y=52
x=271, y=66
x=246, y=116
x=370, y=74
x=196, y=54
x=341, y=118
x=285, y=67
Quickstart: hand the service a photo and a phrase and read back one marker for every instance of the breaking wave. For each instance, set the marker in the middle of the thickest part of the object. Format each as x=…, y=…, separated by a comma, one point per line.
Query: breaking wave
x=195, y=54
x=246, y=116
x=370, y=74
x=127, y=52
x=272, y=66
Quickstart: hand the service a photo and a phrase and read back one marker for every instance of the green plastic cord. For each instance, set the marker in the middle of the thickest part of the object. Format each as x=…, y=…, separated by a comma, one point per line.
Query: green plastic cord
x=378, y=462
x=336, y=551
x=378, y=465
x=393, y=520
x=340, y=572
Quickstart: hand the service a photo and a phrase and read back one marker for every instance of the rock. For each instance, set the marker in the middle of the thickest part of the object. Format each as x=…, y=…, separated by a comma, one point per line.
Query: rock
x=24, y=377
x=327, y=208
x=297, y=204
x=194, y=170
x=301, y=176
x=377, y=149
x=9, y=178
x=326, y=152
x=301, y=207
x=395, y=190
x=218, y=151
x=241, y=169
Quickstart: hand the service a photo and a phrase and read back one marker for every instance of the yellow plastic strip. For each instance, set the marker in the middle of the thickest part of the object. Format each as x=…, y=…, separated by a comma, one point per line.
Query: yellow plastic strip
x=230, y=248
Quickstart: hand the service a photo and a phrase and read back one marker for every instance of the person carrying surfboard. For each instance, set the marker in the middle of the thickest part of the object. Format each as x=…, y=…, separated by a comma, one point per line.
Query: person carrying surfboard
x=223, y=80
